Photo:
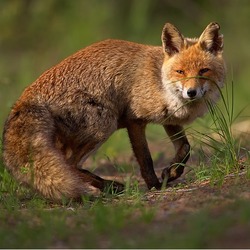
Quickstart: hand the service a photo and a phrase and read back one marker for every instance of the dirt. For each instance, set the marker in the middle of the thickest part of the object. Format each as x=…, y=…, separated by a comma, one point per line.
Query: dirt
x=184, y=198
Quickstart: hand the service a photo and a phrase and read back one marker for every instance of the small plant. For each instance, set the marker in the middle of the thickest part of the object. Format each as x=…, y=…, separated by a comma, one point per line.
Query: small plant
x=224, y=149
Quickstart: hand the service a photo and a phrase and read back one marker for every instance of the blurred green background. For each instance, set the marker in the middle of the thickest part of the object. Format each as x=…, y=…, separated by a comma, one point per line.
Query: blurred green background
x=36, y=34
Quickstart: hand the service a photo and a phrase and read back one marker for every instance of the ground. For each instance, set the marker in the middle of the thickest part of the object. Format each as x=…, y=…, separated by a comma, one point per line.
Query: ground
x=193, y=212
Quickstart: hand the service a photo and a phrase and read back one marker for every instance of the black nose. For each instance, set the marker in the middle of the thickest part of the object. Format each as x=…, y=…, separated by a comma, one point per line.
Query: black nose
x=191, y=92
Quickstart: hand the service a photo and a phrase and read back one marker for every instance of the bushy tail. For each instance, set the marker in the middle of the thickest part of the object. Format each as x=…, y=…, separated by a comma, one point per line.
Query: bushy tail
x=30, y=155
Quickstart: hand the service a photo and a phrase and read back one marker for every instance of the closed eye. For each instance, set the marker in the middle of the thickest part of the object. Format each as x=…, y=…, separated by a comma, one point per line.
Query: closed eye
x=203, y=71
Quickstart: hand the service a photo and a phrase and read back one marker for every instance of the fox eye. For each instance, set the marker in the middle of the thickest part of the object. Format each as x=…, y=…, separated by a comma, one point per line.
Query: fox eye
x=181, y=72
x=202, y=71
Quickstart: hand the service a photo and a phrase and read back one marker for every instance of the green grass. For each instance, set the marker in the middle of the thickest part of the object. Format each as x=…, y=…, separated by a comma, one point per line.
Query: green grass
x=133, y=219
x=117, y=223
x=219, y=151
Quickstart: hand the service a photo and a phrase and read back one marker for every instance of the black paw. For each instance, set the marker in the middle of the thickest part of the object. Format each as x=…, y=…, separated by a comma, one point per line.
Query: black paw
x=113, y=187
x=157, y=185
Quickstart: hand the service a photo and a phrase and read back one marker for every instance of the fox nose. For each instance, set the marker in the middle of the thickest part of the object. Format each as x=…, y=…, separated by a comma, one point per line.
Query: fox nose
x=191, y=93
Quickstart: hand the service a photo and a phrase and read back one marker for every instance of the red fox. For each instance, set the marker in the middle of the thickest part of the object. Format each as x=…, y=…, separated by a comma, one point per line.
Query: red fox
x=74, y=107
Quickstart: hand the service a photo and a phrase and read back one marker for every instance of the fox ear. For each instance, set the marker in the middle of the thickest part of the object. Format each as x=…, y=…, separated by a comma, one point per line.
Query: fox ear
x=172, y=39
x=210, y=40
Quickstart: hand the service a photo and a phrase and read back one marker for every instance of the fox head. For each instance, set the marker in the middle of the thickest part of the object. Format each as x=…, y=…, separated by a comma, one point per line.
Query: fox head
x=193, y=68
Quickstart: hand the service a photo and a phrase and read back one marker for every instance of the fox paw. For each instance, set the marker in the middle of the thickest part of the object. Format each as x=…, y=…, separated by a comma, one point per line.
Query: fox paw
x=113, y=187
x=171, y=173
x=157, y=185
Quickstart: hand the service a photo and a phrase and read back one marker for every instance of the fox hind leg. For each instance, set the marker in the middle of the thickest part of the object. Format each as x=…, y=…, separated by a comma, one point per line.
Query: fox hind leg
x=76, y=156
x=100, y=183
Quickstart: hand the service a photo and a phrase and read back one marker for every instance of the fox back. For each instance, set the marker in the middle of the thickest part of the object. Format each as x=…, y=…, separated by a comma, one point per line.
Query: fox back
x=73, y=108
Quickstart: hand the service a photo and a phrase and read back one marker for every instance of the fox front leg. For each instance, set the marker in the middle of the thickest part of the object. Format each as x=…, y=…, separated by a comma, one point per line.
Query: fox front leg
x=136, y=131
x=182, y=149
